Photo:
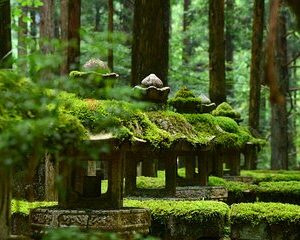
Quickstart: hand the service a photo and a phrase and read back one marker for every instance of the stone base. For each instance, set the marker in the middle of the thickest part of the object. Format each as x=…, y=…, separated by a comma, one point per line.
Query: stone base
x=265, y=231
x=183, y=193
x=124, y=221
x=203, y=192
x=245, y=179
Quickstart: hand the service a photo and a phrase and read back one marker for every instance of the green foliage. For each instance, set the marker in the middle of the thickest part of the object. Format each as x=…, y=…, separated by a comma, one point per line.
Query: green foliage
x=272, y=213
x=191, y=211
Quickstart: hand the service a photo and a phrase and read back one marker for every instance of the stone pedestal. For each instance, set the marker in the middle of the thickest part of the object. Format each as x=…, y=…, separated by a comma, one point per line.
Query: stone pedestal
x=5, y=198
x=204, y=193
x=123, y=221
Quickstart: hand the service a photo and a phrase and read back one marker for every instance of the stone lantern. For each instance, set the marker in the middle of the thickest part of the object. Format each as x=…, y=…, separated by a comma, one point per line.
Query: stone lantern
x=81, y=202
x=152, y=89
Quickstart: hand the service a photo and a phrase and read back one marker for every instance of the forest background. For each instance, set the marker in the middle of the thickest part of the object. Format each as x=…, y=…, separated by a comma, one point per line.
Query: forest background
x=107, y=32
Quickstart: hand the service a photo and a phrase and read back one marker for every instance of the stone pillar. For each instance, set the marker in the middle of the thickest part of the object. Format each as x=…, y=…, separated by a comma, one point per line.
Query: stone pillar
x=235, y=161
x=149, y=167
x=115, y=180
x=50, y=174
x=5, y=201
x=203, y=159
x=250, y=156
x=171, y=173
x=217, y=163
x=130, y=174
x=190, y=166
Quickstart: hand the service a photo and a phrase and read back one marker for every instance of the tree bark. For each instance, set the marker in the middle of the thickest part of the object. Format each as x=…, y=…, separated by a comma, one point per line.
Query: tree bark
x=5, y=35
x=22, y=39
x=256, y=64
x=187, y=44
x=110, y=57
x=70, y=26
x=279, y=121
x=47, y=25
x=229, y=45
x=126, y=16
x=217, y=85
x=97, y=16
x=150, y=50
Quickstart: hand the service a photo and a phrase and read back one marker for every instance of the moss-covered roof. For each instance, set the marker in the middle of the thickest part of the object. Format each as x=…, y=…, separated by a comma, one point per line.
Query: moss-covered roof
x=71, y=115
x=159, y=128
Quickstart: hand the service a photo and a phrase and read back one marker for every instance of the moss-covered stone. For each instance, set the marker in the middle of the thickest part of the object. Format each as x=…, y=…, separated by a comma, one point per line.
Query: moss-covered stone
x=282, y=191
x=271, y=213
x=185, y=101
x=224, y=109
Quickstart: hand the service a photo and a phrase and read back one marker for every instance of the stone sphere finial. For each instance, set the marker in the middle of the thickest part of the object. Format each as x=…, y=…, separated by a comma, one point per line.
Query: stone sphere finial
x=152, y=80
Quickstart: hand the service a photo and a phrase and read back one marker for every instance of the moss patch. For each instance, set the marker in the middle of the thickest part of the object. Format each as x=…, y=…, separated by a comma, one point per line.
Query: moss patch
x=282, y=191
x=192, y=211
x=18, y=206
x=224, y=109
x=272, y=213
x=272, y=175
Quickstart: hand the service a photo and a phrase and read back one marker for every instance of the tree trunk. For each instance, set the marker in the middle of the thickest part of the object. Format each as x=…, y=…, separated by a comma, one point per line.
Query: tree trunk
x=187, y=44
x=256, y=64
x=22, y=37
x=97, y=16
x=150, y=50
x=70, y=26
x=110, y=57
x=126, y=16
x=217, y=87
x=279, y=121
x=229, y=45
x=47, y=26
x=5, y=35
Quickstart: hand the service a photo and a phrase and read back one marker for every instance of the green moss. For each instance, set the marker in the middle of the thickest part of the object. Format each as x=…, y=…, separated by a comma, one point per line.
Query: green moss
x=235, y=189
x=18, y=206
x=272, y=213
x=224, y=109
x=184, y=92
x=272, y=175
x=192, y=211
x=282, y=191
x=185, y=101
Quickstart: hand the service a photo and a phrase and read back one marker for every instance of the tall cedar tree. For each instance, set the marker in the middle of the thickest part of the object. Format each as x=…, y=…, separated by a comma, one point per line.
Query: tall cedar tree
x=150, y=50
x=47, y=25
x=229, y=44
x=70, y=26
x=5, y=34
x=256, y=64
x=217, y=85
x=187, y=44
x=5, y=202
x=279, y=119
x=110, y=57
x=256, y=67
